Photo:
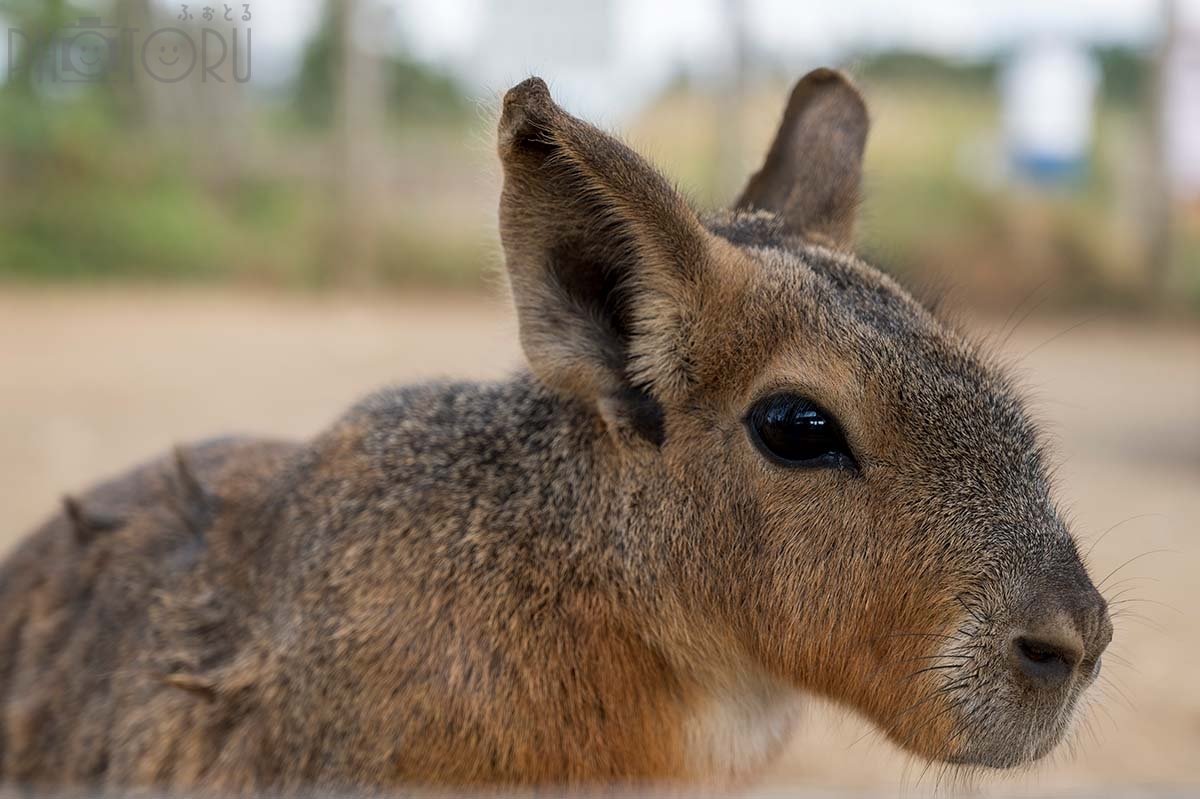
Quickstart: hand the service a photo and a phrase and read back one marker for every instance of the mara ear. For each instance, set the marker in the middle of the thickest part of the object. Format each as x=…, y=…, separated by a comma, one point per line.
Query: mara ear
x=813, y=170
x=605, y=260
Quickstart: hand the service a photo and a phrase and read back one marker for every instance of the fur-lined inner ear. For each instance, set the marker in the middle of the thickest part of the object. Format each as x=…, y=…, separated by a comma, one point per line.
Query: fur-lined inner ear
x=813, y=170
x=604, y=258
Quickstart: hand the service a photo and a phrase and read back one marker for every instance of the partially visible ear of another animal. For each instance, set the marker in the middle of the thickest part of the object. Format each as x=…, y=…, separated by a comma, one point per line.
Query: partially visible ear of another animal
x=610, y=268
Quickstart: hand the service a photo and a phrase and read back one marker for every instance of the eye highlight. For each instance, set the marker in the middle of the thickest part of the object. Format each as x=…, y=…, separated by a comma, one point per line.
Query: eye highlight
x=796, y=432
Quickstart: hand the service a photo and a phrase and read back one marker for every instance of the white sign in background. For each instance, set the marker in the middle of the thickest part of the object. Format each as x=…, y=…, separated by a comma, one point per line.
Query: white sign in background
x=1181, y=105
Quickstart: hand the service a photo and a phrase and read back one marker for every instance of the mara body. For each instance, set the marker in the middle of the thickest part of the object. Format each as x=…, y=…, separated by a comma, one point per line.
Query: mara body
x=742, y=466
x=436, y=589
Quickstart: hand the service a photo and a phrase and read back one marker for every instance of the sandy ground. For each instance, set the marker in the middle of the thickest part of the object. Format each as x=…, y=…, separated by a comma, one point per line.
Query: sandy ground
x=93, y=381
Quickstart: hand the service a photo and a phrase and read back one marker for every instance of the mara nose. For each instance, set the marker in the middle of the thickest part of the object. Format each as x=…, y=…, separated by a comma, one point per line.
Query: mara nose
x=1047, y=660
x=1048, y=654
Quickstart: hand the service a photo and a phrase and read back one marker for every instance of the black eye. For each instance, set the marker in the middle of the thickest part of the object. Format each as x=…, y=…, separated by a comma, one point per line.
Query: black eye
x=793, y=431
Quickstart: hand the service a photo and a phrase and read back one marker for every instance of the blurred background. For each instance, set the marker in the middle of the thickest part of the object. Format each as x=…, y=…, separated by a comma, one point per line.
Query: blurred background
x=308, y=143
x=239, y=217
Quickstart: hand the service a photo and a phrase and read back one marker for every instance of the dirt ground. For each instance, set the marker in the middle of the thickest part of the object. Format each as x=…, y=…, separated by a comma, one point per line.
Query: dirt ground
x=92, y=381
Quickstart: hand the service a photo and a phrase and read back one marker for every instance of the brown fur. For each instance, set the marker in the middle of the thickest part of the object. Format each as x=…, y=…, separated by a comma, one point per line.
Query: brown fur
x=587, y=574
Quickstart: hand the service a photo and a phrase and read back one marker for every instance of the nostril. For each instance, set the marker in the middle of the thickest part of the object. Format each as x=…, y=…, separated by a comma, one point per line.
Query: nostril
x=1047, y=663
x=1042, y=652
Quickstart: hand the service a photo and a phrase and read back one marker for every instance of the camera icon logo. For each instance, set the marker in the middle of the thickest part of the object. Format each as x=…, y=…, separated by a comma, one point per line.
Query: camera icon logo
x=86, y=51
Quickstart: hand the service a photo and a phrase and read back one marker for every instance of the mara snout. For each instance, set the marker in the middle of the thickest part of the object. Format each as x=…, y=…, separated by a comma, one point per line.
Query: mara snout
x=740, y=466
x=1057, y=650
x=1019, y=675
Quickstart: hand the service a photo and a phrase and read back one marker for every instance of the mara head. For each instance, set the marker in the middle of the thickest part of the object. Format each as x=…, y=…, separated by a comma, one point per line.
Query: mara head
x=837, y=486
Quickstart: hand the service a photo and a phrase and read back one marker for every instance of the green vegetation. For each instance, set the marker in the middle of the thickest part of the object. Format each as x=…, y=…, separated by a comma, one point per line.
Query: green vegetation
x=99, y=188
x=414, y=93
